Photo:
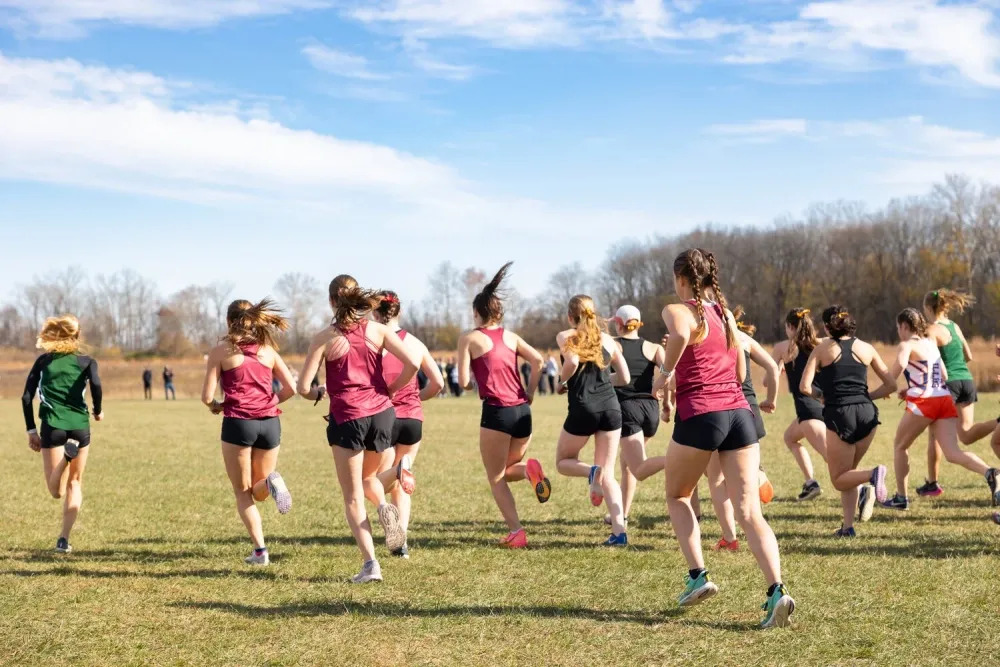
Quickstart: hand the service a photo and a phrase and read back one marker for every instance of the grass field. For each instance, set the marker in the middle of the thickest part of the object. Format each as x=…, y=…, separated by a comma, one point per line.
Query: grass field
x=157, y=574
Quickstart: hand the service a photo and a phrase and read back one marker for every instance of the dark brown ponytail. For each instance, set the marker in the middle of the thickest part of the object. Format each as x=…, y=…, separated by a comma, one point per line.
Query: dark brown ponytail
x=488, y=304
x=805, y=331
x=914, y=319
x=353, y=305
x=254, y=324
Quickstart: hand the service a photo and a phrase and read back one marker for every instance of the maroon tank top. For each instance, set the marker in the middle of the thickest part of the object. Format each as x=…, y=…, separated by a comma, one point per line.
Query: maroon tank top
x=354, y=381
x=496, y=373
x=706, y=372
x=406, y=400
x=247, y=388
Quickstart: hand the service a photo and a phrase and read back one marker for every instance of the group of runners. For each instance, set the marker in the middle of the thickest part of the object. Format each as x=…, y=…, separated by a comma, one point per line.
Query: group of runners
x=618, y=390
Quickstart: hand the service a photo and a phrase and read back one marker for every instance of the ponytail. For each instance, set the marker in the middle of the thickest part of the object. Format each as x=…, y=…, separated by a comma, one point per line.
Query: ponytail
x=914, y=319
x=488, y=304
x=353, y=304
x=805, y=332
x=701, y=271
x=713, y=282
x=254, y=324
x=944, y=301
x=586, y=342
x=60, y=335
x=388, y=307
x=745, y=327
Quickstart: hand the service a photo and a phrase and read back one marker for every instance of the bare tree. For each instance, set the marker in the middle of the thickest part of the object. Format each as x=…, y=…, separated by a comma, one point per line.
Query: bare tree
x=300, y=296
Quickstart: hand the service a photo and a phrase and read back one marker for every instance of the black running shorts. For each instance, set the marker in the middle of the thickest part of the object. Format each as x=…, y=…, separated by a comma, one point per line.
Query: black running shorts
x=513, y=420
x=372, y=434
x=722, y=431
x=963, y=392
x=257, y=433
x=57, y=437
x=640, y=415
x=808, y=408
x=583, y=423
x=851, y=423
x=407, y=431
x=758, y=418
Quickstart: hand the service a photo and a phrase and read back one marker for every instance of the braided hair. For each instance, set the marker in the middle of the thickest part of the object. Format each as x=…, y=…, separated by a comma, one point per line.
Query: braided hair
x=701, y=271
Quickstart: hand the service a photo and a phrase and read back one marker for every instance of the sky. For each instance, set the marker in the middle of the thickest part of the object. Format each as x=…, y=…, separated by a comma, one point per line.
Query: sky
x=203, y=140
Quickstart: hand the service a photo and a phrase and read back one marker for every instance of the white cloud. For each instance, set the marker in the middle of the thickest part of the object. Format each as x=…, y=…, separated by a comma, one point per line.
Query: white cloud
x=68, y=17
x=341, y=63
x=422, y=59
x=761, y=131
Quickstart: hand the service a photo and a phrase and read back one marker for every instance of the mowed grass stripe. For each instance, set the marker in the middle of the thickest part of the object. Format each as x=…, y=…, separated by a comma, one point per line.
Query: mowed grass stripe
x=157, y=575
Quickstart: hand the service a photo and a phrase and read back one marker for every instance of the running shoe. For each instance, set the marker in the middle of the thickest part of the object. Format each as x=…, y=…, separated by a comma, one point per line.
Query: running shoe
x=515, y=540
x=402, y=552
x=62, y=546
x=810, y=490
x=897, y=502
x=996, y=518
x=259, y=557
x=845, y=532
x=279, y=491
x=71, y=449
x=616, y=540
x=388, y=517
x=878, y=481
x=596, y=492
x=866, y=502
x=993, y=479
x=930, y=490
x=404, y=473
x=543, y=488
x=723, y=545
x=766, y=488
x=371, y=572
x=697, y=590
x=778, y=608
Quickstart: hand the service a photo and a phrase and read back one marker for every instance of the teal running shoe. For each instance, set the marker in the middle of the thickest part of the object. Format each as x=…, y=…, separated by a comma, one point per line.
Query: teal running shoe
x=697, y=590
x=778, y=609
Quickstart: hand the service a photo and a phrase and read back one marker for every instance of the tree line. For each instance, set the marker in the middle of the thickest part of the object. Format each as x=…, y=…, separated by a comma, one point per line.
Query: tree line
x=873, y=262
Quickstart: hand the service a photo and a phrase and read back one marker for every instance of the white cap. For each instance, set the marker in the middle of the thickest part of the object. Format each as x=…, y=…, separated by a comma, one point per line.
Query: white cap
x=627, y=313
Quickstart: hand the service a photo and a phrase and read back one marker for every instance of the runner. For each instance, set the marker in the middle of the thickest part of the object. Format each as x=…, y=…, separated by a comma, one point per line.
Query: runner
x=639, y=407
x=955, y=352
x=245, y=364
x=361, y=413
x=840, y=364
x=594, y=411
x=928, y=404
x=713, y=415
x=60, y=377
x=792, y=354
x=407, y=432
x=489, y=353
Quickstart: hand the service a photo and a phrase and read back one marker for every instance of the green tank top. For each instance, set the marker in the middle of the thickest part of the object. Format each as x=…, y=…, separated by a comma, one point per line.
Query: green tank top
x=954, y=356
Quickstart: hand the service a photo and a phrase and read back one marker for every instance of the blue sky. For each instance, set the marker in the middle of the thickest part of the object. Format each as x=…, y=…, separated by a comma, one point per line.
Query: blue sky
x=196, y=140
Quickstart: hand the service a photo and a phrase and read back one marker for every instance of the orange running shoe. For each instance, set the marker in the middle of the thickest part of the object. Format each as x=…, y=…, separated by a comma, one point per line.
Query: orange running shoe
x=404, y=473
x=723, y=545
x=515, y=540
x=543, y=488
x=766, y=488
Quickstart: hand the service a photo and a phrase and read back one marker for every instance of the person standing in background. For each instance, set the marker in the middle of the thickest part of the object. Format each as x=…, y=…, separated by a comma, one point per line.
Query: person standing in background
x=168, y=384
x=526, y=375
x=456, y=388
x=550, y=371
x=147, y=385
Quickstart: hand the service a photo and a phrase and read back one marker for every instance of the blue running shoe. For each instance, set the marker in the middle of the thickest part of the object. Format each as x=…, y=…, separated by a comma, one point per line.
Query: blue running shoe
x=617, y=540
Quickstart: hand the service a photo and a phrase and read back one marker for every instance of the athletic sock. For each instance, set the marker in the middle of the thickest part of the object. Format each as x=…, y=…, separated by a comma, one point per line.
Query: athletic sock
x=772, y=588
x=696, y=572
x=260, y=552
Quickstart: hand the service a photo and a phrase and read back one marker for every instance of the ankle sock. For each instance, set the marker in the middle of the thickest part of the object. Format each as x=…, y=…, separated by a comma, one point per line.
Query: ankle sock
x=260, y=552
x=772, y=588
x=696, y=572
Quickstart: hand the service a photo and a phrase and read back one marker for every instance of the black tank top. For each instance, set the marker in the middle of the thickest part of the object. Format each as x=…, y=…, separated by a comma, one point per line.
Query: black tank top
x=640, y=370
x=748, y=390
x=590, y=388
x=793, y=369
x=845, y=381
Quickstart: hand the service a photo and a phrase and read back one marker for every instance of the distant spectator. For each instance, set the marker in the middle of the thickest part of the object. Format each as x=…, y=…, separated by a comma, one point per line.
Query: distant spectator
x=147, y=384
x=168, y=384
x=526, y=373
x=550, y=372
x=456, y=389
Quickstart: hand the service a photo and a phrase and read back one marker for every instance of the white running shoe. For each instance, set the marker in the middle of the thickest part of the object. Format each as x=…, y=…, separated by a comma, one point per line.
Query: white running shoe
x=388, y=517
x=279, y=491
x=262, y=560
x=370, y=572
x=866, y=502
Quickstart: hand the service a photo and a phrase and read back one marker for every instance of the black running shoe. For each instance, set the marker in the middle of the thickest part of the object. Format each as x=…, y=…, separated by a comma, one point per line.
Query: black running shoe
x=71, y=449
x=402, y=552
x=994, y=482
x=897, y=502
x=930, y=490
x=62, y=546
x=810, y=490
x=845, y=532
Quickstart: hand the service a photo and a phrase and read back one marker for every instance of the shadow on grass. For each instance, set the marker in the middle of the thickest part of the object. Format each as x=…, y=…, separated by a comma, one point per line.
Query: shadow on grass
x=395, y=610
x=859, y=547
x=253, y=574
x=108, y=555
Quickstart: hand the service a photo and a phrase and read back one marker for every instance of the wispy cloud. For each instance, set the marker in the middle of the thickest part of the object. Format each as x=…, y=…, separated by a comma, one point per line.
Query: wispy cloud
x=761, y=131
x=341, y=63
x=421, y=58
x=69, y=18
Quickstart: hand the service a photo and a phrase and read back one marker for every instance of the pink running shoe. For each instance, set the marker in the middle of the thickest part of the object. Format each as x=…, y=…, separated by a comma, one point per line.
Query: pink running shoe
x=543, y=488
x=723, y=545
x=596, y=492
x=515, y=540
x=404, y=473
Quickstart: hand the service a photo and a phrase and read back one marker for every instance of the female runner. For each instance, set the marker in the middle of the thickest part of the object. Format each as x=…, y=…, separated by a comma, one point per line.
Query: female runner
x=593, y=408
x=407, y=431
x=245, y=364
x=60, y=377
x=792, y=354
x=361, y=412
x=713, y=415
x=928, y=404
x=840, y=364
x=489, y=353
x=639, y=407
x=752, y=351
x=956, y=354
